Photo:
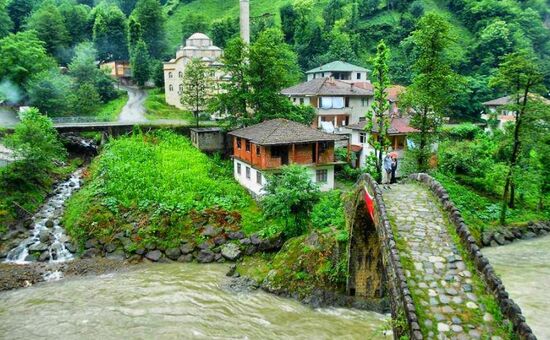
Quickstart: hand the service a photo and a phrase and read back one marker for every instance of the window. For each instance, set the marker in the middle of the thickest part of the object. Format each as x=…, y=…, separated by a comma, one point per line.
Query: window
x=257, y=150
x=323, y=75
x=181, y=89
x=169, y=74
x=239, y=168
x=247, y=146
x=347, y=101
x=362, y=137
x=301, y=101
x=259, y=177
x=321, y=176
x=238, y=143
x=363, y=102
x=332, y=102
x=171, y=88
x=180, y=74
x=248, y=172
x=358, y=76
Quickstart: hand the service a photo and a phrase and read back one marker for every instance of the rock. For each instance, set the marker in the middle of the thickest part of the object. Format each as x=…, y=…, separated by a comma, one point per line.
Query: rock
x=499, y=238
x=134, y=259
x=92, y=243
x=109, y=247
x=91, y=252
x=486, y=239
x=528, y=235
x=153, y=255
x=150, y=246
x=442, y=327
x=173, y=253
x=210, y=231
x=219, y=240
x=245, y=241
x=205, y=245
x=255, y=239
x=232, y=270
x=45, y=256
x=49, y=224
x=38, y=247
x=467, y=288
x=236, y=235
x=187, y=248
x=30, y=258
x=250, y=250
x=44, y=236
x=231, y=251
x=185, y=258
x=118, y=255
x=219, y=258
x=205, y=256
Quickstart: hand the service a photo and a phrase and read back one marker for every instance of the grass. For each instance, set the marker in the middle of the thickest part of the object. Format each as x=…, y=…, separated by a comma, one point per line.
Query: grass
x=157, y=108
x=160, y=188
x=110, y=111
x=482, y=212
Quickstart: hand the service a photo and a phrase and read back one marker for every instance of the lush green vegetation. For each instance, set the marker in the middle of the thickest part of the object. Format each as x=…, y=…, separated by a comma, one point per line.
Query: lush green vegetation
x=111, y=110
x=25, y=183
x=159, y=180
x=156, y=107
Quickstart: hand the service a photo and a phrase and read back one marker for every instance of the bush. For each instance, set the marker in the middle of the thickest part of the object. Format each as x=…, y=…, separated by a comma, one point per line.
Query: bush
x=328, y=212
x=461, y=132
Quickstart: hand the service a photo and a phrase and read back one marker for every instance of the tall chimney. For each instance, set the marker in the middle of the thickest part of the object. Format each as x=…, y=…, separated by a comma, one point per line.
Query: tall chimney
x=245, y=21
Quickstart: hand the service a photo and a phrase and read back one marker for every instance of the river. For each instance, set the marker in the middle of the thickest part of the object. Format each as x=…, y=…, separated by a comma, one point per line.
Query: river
x=169, y=301
x=524, y=268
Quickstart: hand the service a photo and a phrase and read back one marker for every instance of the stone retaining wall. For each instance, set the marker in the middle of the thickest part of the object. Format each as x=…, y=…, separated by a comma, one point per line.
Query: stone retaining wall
x=494, y=285
x=401, y=301
x=493, y=238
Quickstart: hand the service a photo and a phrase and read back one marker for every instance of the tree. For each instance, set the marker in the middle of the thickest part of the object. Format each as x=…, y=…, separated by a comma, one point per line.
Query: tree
x=290, y=195
x=18, y=11
x=49, y=92
x=196, y=87
x=193, y=23
x=223, y=30
x=135, y=33
x=6, y=24
x=150, y=15
x=141, y=63
x=127, y=6
x=110, y=33
x=433, y=83
x=378, y=118
x=519, y=74
x=272, y=67
x=288, y=22
x=50, y=27
x=76, y=21
x=368, y=8
x=86, y=100
x=21, y=56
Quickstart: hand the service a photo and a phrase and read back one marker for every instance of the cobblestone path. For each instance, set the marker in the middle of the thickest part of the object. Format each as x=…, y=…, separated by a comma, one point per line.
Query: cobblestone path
x=439, y=279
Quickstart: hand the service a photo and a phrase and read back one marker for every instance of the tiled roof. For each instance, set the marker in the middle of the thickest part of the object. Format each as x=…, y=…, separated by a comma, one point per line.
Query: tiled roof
x=328, y=87
x=394, y=92
x=398, y=126
x=283, y=131
x=338, y=66
x=508, y=100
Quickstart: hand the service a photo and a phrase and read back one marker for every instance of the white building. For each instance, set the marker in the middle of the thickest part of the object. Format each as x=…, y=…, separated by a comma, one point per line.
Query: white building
x=339, y=70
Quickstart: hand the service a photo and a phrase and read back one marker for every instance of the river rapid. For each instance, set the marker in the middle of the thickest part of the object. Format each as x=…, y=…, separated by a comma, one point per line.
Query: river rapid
x=169, y=301
x=524, y=268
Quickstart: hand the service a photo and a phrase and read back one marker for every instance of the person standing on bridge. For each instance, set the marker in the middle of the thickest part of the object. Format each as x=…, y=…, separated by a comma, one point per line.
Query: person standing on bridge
x=393, y=167
x=387, y=169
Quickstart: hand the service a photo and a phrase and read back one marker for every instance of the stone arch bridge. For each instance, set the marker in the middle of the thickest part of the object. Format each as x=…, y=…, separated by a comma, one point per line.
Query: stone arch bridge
x=409, y=244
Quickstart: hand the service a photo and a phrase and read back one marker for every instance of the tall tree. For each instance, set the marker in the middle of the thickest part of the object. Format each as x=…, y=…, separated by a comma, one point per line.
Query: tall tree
x=50, y=27
x=6, y=24
x=141, y=63
x=150, y=14
x=223, y=30
x=378, y=118
x=21, y=56
x=86, y=100
x=110, y=33
x=193, y=23
x=135, y=33
x=76, y=21
x=433, y=83
x=519, y=74
x=127, y=6
x=196, y=87
x=18, y=11
x=49, y=92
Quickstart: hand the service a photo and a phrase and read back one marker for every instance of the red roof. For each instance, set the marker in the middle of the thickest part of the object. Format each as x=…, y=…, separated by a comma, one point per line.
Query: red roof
x=356, y=148
x=394, y=92
x=398, y=126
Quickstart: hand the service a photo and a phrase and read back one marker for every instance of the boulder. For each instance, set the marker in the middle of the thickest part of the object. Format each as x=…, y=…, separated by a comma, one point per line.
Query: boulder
x=70, y=247
x=219, y=240
x=118, y=255
x=205, y=256
x=45, y=256
x=109, y=247
x=38, y=247
x=255, y=239
x=185, y=258
x=210, y=231
x=232, y=270
x=231, y=251
x=528, y=235
x=219, y=258
x=245, y=241
x=173, y=253
x=140, y=251
x=150, y=246
x=30, y=258
x=187, y=248
x=92, y=243
x=153, y=255
x=204, y=245
x=499, y=238
x=91, y=252
x=486, y=239
x=235, y=235
x=44, y=235
x=49, y=224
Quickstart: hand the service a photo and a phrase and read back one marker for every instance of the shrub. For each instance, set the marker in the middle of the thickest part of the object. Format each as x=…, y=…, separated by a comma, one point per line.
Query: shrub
x=328, y=212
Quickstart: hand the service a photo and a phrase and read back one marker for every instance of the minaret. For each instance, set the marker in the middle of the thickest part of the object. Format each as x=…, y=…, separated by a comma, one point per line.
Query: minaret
x=245, y=21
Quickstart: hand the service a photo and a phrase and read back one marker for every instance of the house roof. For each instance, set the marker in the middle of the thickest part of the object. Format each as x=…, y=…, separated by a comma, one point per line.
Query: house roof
x=338, y=66
x=283, y=131
x=394, y=91
x=327, y=87
x=398, y=126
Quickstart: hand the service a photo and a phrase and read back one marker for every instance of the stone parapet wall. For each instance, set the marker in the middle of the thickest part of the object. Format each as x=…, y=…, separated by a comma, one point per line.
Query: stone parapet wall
x=401, y=301
x=493, y=283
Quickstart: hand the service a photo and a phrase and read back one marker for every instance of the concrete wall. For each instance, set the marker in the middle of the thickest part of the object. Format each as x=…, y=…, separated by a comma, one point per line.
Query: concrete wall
x=208, y=141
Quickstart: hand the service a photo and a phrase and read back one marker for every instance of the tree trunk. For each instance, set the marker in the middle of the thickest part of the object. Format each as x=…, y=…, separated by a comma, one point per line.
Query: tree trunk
x=422, y=146
x=511, y=204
